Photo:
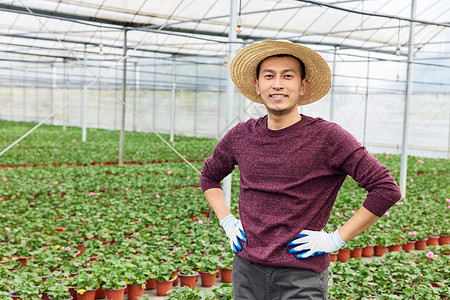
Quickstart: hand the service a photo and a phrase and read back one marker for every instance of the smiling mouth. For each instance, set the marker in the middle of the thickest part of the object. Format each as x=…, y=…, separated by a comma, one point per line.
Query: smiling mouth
x=278, y=97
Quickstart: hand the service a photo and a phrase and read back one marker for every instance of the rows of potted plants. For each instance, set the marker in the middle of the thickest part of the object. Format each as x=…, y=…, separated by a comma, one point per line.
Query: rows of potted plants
x=396, y=275
x=64, y=206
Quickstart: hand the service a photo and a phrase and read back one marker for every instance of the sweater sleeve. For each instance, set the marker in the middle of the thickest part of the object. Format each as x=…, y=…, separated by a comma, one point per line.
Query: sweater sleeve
x=217, y=166
x=353, y=159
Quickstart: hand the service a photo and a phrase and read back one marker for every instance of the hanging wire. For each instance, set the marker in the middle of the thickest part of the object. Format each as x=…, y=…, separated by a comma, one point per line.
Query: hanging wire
x=397, y=51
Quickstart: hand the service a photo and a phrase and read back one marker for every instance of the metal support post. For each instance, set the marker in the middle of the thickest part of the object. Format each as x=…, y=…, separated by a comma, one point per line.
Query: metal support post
x=333, y=90
x=409, y=77
x=366, y=100
x=124, y=98
x=172, y=109
x=230, y=91
x=83, y=111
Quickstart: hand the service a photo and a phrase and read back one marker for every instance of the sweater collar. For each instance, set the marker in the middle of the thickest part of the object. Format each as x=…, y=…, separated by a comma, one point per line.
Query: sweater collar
x=294, y=127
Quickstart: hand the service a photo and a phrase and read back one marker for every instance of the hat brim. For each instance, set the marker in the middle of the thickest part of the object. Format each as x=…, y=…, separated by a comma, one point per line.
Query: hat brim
x=244, y=64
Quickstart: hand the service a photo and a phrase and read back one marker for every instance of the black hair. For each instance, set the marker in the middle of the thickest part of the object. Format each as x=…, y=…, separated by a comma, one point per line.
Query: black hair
x=302, y=65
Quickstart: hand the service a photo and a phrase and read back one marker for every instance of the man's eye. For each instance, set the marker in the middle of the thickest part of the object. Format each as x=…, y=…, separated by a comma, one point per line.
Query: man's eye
x=288, y=75
x=268, y=76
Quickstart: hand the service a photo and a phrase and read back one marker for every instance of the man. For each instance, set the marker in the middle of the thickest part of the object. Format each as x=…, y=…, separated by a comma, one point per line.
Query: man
x=292, y=167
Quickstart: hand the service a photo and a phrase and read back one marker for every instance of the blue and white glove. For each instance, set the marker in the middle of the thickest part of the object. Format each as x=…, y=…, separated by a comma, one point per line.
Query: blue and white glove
x=235, y=232
x=310, y=243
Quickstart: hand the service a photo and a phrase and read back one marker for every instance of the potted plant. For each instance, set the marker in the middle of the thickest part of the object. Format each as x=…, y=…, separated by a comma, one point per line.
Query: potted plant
x=224, y=291
x=164, y=277
x=208, y=270
x=187, y=275
x=135, y=278
x=226, y=266
x=86, y=284
x=185, y=293
x=58, y=291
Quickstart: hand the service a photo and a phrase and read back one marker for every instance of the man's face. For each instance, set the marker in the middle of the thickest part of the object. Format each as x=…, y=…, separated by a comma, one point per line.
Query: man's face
x=280, y=84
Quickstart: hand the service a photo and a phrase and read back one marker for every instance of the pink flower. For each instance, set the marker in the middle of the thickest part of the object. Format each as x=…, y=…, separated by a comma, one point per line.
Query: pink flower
x=74, y=140
x=200, y=222
x=387, y=213
x=400, y=203
x=434, y=172
x=412, y=180
x=158, y=196
x=7, y=187
x=7, y=229
x=431, y=255
x=338, y=214
x=126, y=189
x=386, y=156
x=426, y=204
x=169, y=172
x=54, y=182
x=353, y=211
x=91, y=193
x=189, y=177
x=50, y=185
x=412, y=233
x=420, y=161
x=1, y=170
x=5, y=179
x=447, y=200
x=67, y=248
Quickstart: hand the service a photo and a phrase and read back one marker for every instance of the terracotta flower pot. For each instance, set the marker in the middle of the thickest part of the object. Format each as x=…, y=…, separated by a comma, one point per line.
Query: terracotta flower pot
x=225, y=275
x=421, y=244
x=100, y=293
x=88, y=295
x=368, y=251
x=208, y=279
x=73, y=292
x=188, y=280
x=135, y=292
x=356, y=253
x=163, y=287
x=409, y=246
x=379, y=250
x=394, y=248
x=343, y=255
x=444, y=240
x=150, y=284
x=433, y=241
x=117, y=294
x=333, y=257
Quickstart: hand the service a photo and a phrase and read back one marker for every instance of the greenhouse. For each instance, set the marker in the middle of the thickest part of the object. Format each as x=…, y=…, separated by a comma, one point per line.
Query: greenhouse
x=109, y=109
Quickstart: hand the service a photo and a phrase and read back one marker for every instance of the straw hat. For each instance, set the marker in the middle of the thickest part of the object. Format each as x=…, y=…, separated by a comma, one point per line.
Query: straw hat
x=244, y=64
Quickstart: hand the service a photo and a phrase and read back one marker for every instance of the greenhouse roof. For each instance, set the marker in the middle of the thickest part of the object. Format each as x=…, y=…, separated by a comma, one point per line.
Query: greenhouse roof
x=49, y=30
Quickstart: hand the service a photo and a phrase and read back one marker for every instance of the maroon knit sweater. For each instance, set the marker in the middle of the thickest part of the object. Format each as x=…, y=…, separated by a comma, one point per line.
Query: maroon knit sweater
x=289, y=182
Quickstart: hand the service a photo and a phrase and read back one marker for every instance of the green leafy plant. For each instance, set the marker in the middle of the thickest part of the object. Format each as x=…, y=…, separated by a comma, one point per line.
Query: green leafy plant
x=224, y=291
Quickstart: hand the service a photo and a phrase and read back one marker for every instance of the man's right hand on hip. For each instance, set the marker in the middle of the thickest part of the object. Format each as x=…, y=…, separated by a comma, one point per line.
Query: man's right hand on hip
x=235, y=232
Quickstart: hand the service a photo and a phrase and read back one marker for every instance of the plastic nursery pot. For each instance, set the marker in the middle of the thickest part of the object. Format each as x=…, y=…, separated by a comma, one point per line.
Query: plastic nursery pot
x=343, y=255
x=394, y=248
x=367, y=251
x=333, y=257
x=163, y=287
x=433, y=241
x=188, y=280
x=101, y=293
x=356, y=253
x=225, y=275
x=421, y=244
x=150, y=284
x=409, y=246
x=379, y=250
x=444, y=240
x=88, y=295
x=135, y=292
x=117, y=294
x=208, y=279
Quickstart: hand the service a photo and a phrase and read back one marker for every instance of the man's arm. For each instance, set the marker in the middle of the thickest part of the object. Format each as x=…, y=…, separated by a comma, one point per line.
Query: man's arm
x=357, y=224
x=231, y=225
x=214, y=196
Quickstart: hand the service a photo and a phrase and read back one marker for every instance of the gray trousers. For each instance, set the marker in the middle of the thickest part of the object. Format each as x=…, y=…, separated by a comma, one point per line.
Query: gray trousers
x=258, y=282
